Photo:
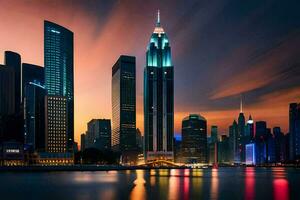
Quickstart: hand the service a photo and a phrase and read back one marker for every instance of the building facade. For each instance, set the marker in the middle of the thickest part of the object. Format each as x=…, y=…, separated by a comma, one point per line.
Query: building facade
x=158, y=97
x=124, y=104
x=98, y=134
x=59, y=83
x=34, y=109
x=294, y=130
x=194, y=139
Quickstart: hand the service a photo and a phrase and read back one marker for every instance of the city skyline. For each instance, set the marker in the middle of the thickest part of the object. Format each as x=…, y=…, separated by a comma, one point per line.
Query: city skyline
x=268, y=81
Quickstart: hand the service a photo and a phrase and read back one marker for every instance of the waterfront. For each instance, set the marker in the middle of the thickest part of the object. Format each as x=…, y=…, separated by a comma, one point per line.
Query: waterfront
x=224, y=183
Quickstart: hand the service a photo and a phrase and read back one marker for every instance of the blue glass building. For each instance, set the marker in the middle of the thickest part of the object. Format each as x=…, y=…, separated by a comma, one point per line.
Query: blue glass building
x=159, y=97
x=59, y=83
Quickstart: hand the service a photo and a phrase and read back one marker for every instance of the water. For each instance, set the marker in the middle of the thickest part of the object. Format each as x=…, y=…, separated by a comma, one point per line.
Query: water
x=224, y=183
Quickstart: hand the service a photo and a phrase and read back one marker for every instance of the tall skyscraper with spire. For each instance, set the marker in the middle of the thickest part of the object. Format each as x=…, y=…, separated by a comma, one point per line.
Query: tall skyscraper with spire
x=241, y=132
x=159, y=96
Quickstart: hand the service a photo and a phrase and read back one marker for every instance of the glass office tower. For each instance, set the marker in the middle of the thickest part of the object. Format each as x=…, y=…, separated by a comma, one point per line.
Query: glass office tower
x=158, y=97
x=59, y=83
x=194, y=139
x=124, y=104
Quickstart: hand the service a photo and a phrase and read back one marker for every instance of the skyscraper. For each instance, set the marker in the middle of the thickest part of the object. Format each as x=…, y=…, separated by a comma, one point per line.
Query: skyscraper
x=261, y=134
x=241, y=131
x=13, y=60
x=234, y=143
x=58, y=61
x=32, y=73
x=124, y=104
x=7, y=101
x=250, y=128
x=14, y=122
x=294, y=129
x=214, y=134
x=98, y=134
x=194, y=139
x=34, y=101
x=158, y=96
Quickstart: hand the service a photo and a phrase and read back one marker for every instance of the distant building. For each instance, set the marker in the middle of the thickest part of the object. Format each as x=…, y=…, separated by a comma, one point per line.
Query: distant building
x=294, y=130
x=279, y=145
x=59, y=83
x=98, y=134
x=250, y=154
x=82, y=142
x=34, y=105
x=250, y=128
x=139, y=140
x=261, y=135
x=234, y=141
x=124, y=104
x=194, y=139
x=214, y=134
x=224, y=150
x=159, y=97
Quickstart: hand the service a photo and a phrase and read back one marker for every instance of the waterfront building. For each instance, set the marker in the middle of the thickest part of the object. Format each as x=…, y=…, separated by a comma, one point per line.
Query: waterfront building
x=124, y=104
x=159, y=97
x=98, y=134
x=294, y=130
x=59, y=83
x=194, y=139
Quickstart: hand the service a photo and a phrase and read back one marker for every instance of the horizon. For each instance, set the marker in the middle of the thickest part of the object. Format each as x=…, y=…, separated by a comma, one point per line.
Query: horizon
x=264, y=73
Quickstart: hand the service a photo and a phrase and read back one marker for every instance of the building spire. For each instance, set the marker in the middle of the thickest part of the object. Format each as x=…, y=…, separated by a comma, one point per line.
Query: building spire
x=158, y=18
x=241, y=105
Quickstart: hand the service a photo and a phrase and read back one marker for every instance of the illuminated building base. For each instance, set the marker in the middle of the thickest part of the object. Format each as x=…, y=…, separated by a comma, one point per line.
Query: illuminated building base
x=159, y=155
x=55, y=159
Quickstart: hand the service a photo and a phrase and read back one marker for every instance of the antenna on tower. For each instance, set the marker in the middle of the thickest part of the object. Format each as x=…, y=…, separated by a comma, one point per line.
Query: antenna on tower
x=158, y=17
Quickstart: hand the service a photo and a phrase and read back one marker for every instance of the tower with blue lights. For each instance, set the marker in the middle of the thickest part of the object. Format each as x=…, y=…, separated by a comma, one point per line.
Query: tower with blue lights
x=159, y=97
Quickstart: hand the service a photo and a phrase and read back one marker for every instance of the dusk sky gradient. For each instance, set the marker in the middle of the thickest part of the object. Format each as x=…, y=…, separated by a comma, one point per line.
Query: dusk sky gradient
x=221, y=50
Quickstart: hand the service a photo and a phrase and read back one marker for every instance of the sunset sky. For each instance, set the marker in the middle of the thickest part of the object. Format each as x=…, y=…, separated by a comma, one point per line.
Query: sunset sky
x=221, y=50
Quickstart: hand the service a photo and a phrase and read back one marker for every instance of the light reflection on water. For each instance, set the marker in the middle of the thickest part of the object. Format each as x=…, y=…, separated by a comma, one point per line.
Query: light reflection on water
x=172, y=184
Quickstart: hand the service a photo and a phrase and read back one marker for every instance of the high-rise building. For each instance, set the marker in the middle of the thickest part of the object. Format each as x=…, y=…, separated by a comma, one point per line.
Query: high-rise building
x=34, y=107
x=98, y=134
x=249, y=132
x=241, y=133
x=279, y=144
x=234, y=142
x=223, y=150
x=261, y=135
x=7, y=101
x=194, y=139
x=13, y=60
x=32, y=73
x=294, y=129
x=59, y=64
x=159, y=96
x=124, y=104
x=13, y=124
x=214, y=134
x=82, y=142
